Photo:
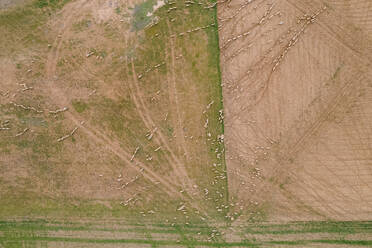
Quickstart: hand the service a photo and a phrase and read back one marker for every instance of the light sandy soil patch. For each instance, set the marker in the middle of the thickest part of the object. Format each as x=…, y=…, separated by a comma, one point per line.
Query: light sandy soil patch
x=10, y=3
x=297, y=97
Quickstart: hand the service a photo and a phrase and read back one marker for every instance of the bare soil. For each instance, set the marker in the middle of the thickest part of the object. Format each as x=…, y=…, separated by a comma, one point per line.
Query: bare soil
x=297, y=96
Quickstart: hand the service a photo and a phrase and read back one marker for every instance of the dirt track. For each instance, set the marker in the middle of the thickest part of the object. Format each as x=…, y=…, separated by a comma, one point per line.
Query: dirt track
x=139, y=136
x=297, y=97
x=77, y=8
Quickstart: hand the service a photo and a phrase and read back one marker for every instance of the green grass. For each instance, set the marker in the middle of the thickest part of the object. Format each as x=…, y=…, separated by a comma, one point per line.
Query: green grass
x=37, y=226
x=82, y=25
x=214, y=63
x=79, y=106
x=33, y=232
x=53, y=4
x=345, y=242
x=17, y=239
x=23, y=27
x=201, y=65
x=118, y=118
x=337, y=72
x=366, y=243
x=130, y=241
x=313, y=227
x=30, y=204
x=140, y=18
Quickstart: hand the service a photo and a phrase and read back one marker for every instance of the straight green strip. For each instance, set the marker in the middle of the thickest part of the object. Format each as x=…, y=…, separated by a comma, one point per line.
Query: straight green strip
x=132, y=241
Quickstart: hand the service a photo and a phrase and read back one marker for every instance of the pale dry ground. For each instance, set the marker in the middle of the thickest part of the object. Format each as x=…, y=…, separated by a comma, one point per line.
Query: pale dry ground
x=9, y=3
x=297, y=96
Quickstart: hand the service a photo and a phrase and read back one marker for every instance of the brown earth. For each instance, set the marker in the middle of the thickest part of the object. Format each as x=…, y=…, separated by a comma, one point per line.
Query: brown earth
x=297, y=96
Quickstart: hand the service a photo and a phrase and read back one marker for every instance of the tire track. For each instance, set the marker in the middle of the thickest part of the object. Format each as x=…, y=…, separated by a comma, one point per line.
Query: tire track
x=173, y=97
x=364, y=56
x=96, y=135
x=178, y=167
x=331, y=107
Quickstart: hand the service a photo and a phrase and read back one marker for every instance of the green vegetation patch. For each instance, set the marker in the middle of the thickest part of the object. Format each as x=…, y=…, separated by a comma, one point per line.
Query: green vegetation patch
x=344, y=227
x=141, y=17
x=79, y=106
x=358, y=243
x=54, y=4
x=35, y=231
x=82, y=25
x=119, y=117
x=198, y=80
x=24, y=26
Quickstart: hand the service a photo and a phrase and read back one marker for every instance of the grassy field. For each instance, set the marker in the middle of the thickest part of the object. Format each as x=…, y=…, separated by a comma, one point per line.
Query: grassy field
x=41, y=233
x=137, y=82
x=112, y=132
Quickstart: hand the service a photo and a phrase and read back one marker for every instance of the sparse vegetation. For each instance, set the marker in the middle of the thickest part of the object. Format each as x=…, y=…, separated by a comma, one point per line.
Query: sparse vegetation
x=52, y=4
x=140, y=89
x=140, y=17
x=79, y=106
x=82, y=25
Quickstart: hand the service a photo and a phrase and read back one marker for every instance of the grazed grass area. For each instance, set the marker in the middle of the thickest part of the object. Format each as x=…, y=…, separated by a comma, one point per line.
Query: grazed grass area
x=18, y=202
x=79, y=106
x=366, y=243
x=127, y=241
x=51, y=4
x=32, y=232
x=114, y=115
x=24, y=26
x=201, y=85
x=141, y=18
x=181, y=98
x=348, y=227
